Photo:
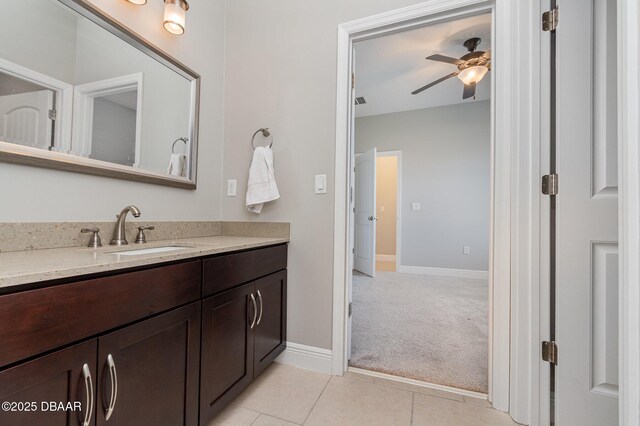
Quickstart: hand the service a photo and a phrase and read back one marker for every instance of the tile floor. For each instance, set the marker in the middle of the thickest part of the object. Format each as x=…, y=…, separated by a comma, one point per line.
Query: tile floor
x=284, y=395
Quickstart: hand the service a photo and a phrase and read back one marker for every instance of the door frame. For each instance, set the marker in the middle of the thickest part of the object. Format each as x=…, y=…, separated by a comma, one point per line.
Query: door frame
x=398, y=155
x=629, y=209
x=514, y=294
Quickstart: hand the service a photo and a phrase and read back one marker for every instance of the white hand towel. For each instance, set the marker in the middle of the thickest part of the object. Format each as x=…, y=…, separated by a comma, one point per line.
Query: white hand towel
x=177, y=164
x=261, y=187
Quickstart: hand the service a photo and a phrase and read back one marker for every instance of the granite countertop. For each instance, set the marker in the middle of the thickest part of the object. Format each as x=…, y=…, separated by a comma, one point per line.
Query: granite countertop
x=23, y=267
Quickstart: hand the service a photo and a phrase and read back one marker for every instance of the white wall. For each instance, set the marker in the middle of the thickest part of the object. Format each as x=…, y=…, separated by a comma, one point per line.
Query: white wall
x=114, y=132
x=445, y=168
x=39, y=35
x=32, y=194
x=281, y=73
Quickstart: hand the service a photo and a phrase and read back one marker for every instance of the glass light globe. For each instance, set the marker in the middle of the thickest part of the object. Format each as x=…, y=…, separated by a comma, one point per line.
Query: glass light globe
x=472, y=75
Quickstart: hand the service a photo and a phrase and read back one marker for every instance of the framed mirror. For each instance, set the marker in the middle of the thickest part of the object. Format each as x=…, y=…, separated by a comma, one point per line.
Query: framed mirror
x=80, y=92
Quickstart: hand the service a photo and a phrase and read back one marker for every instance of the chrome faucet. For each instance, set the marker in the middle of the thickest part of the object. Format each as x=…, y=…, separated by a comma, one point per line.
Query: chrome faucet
x=119, y=233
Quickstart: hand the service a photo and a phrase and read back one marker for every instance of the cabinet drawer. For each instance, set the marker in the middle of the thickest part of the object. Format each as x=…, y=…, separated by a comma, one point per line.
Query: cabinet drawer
x=224, y=272
x=36, y=321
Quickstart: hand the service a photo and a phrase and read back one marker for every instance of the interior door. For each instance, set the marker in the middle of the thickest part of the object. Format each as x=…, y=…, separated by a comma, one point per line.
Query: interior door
x=586, y=377
x=25, y=119
x=365, y=211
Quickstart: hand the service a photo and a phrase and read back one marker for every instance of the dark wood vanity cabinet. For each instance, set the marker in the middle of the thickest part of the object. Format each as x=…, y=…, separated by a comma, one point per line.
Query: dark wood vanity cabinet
x=168, y=345
x=270, y=328
x=243, y=331
x=65, y=376
x=149, y=372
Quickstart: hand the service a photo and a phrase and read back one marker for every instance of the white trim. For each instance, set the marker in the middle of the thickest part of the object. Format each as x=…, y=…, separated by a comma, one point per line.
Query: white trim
x=512, y=87
x=84, y=95
x=385, y=257
x=629, y=209
x=306, y=357
x=398, y=155
x=64, y=100
x=418, y=383
x=444, y=272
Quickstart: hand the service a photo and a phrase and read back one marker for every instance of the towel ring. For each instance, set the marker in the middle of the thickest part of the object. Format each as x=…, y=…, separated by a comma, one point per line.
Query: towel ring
x=266, y=132
x=185, y=140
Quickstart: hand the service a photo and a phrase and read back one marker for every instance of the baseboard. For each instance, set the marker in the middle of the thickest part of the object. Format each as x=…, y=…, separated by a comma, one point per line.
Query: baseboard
x=306, y=357
x=444, y=272
x=386, y=257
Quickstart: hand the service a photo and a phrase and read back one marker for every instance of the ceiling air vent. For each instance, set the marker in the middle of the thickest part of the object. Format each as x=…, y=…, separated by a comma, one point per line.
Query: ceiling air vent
x=360, y=100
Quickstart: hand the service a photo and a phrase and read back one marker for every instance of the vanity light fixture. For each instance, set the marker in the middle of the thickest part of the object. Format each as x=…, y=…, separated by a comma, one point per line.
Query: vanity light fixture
x=174, y=16
x=175, y=12
x=473, y=75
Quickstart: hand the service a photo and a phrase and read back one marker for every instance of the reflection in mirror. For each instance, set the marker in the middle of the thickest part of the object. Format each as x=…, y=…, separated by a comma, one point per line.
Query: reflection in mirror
x=70, y=86
x=25, y=108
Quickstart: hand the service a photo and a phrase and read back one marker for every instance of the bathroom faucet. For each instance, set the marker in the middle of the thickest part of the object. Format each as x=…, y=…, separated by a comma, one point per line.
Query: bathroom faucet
x=119, y=233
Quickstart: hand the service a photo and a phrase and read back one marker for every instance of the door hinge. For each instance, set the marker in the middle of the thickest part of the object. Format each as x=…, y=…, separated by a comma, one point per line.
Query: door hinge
x=350, y=308
x=550, y=352
x=550, y=184
x=351, y=194
x=52, y=114
x=353, y=250
x=550, y=20
x=353, y=80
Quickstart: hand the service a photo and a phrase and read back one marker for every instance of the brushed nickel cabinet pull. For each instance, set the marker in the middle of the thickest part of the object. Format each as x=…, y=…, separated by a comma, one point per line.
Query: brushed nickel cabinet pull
x=114, y=387
x=259, y=316
x=88, y=385
x=255, y=311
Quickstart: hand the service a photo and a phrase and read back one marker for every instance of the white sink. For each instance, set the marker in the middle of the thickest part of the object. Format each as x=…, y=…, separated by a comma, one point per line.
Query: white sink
x=137, y=252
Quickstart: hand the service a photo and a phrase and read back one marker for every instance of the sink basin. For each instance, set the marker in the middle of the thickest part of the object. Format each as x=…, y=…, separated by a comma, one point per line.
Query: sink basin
x=137, y=252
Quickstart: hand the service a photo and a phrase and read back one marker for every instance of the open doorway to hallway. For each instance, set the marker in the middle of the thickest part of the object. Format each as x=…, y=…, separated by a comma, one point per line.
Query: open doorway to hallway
x=421, y=206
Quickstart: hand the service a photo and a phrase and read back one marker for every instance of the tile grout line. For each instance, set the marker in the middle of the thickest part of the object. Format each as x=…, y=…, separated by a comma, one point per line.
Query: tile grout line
x=317, y=399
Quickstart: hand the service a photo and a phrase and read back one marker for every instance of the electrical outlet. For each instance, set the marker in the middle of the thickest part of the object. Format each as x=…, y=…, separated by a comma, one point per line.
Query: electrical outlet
x=232, y=187
x=415, y=207
x=466, y=250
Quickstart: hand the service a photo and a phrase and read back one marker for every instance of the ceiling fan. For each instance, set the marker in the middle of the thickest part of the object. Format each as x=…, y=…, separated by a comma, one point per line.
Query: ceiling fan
x=471, y=68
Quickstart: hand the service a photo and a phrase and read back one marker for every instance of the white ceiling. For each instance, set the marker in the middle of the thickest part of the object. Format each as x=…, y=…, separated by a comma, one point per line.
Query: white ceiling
x=389, y=68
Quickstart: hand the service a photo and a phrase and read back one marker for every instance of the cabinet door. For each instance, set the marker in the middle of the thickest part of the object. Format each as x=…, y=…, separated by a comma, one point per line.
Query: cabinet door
x=227, y=348
x=148, y=372
x=66, y=376
x=270, y=329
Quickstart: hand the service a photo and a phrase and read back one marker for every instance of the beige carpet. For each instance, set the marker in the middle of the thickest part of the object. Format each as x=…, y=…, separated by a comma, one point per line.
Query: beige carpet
x=421, y=327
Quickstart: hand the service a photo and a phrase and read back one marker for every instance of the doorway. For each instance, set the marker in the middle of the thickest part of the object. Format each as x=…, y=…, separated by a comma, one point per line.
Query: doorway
x=420, y=296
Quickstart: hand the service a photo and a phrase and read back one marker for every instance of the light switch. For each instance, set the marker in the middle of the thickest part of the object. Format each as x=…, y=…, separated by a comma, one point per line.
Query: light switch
x=232, y=187
x=415, y=207
x=465, y=250
x=381, y=208
x=321, y=184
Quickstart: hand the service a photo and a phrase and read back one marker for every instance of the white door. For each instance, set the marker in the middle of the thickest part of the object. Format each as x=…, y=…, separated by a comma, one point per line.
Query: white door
x=586, y=384
x=25, y=119
x=365, y=221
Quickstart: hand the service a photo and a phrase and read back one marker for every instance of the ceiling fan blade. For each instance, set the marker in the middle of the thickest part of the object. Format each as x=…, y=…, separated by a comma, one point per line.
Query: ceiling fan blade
x=443, y=58
x=433, y=83
x=469, y=91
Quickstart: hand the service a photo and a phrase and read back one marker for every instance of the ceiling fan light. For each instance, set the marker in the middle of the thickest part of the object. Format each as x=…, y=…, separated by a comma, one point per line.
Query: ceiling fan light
x=472, y=75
